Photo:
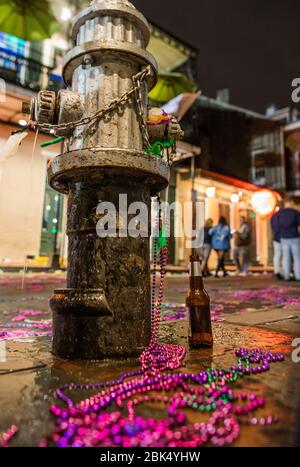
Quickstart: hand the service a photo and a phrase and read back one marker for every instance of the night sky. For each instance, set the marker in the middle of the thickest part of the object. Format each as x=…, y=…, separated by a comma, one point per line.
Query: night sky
x=250, y=46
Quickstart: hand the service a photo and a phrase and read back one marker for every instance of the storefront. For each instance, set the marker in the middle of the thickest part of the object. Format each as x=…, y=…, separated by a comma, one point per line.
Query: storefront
x=228, y=197
x=31, y=213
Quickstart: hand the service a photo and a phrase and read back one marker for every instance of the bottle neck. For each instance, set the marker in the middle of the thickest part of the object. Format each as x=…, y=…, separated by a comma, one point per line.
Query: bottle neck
x=195, y=275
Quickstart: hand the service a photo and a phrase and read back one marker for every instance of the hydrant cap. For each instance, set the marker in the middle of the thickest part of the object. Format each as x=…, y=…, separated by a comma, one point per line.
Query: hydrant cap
x=114, y=3
x=115, y=8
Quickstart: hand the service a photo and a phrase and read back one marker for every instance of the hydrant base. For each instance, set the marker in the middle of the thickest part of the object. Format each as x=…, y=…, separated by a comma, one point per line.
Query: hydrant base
x=97, y=337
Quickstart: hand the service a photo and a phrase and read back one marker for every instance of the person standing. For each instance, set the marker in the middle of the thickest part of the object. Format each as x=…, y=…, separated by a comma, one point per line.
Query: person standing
x=235, y=252
x=287, y=223
x=221, y=236
x=243, y=245
x=206, y=249
x=276, y=246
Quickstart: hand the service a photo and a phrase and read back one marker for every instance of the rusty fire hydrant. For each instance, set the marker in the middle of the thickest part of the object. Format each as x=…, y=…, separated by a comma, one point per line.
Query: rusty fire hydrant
x=105, y=309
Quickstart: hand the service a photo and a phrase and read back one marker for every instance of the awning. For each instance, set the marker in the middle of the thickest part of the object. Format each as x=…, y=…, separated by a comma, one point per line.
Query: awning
x=185, y=151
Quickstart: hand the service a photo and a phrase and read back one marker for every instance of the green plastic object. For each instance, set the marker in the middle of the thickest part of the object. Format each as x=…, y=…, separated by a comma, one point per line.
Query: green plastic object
x=162, y=239
x=158, y=146
x=53, y=141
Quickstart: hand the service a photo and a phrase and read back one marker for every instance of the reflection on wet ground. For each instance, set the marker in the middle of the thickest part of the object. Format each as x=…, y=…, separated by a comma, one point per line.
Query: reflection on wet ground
x=30, y=374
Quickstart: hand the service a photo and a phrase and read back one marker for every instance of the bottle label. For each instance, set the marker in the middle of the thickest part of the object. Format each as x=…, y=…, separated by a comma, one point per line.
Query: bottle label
x=199, y=319
x=195, y=269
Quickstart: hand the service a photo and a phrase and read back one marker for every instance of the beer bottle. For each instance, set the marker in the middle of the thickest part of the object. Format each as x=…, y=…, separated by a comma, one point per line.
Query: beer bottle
x=198, y=303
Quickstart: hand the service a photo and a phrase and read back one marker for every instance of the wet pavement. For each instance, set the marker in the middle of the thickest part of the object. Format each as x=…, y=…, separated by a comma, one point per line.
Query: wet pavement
x=253, y=312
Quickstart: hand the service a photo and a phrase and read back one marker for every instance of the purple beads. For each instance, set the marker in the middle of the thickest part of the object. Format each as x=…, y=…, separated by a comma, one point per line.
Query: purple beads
x=88, y=423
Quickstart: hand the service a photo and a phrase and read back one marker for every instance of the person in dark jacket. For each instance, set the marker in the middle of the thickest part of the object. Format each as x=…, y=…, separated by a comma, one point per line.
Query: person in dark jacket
x=206, y=249
x=243, y=245
x=276, y=246
x=221, y=236
x=287, y=223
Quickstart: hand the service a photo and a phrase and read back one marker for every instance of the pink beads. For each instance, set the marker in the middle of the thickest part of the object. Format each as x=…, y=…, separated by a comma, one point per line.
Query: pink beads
x=7, y=436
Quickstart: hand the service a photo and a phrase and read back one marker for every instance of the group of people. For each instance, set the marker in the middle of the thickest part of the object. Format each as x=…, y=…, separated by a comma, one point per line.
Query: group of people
x=218, y=238
x=285, y=225
x=286, y=240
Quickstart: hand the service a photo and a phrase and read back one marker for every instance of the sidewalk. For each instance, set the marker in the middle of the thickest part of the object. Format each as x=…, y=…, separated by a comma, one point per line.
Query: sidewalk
x=253, y=312
x=43, y=265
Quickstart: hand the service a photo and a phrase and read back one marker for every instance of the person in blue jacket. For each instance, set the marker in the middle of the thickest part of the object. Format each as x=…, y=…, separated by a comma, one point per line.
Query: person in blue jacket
x=220, y=236
x=287, y=224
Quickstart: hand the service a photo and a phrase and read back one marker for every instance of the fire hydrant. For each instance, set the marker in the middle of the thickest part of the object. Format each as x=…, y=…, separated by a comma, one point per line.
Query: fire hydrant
x=105, y=309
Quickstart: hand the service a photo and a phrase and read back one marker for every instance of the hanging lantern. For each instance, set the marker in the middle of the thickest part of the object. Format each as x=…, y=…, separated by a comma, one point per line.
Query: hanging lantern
x=211, y=192
x=234, y=198
x=264, y=202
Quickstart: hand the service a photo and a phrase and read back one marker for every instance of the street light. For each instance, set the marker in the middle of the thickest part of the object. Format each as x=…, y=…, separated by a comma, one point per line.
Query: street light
x=234, y=198
x=211, y=192
x=264, y=202
x=65, y=14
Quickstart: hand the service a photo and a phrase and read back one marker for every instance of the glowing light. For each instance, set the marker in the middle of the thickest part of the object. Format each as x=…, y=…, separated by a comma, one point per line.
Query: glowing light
x=243, y=205
x=48, y=207
x=22, y=122
x=234, y=198
x=55, y=221
x=264, y=202
x=211, y=192
x=65, y=14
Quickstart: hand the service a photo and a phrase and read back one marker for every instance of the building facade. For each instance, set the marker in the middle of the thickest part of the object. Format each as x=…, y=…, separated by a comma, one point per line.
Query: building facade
x=237, y=142
x=289, y=118
x=223, y=196
x=30, y=212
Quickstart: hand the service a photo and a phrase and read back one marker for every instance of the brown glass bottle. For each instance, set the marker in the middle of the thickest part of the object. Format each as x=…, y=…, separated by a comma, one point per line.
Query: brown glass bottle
x=198, y=303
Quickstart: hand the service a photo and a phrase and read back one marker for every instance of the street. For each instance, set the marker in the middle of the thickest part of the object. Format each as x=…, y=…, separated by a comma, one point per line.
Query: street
x=251, y=312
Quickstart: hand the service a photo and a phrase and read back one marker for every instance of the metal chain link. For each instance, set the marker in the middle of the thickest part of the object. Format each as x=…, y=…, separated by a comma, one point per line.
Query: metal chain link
x=135, y=91
x=137, y=87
